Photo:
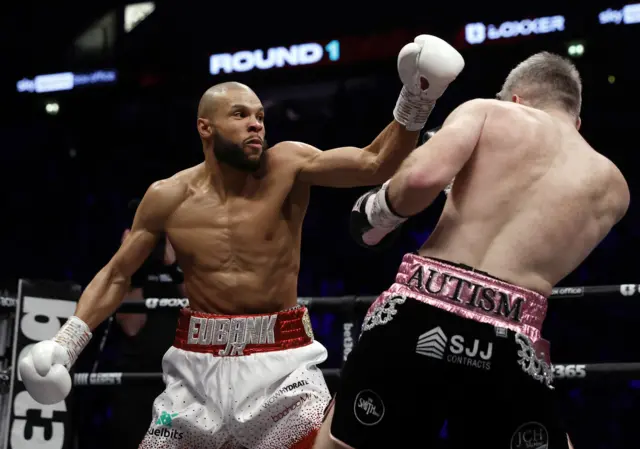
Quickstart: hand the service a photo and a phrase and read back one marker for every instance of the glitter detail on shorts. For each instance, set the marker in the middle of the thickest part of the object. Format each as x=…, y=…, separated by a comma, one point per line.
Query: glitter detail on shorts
x=469, y=294
x=269, y=400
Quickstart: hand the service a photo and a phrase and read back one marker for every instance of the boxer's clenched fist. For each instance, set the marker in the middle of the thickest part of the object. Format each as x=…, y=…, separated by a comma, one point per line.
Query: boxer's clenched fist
x=426, y=67
x=44, y=373
x=372, y=223
x=45, y=368
x=432, y=59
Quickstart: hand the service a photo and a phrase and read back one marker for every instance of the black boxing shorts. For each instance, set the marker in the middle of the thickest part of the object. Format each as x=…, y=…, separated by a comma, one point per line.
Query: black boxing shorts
x=447, y=349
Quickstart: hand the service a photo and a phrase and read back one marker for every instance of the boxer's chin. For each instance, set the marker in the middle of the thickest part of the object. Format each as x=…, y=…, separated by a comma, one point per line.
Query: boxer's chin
x=233, y=155
x=242, y=162
x=250, y=164
x=254, y=160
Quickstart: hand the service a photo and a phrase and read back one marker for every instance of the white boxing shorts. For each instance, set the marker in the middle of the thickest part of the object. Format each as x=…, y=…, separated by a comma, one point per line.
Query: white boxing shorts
x=247, y=381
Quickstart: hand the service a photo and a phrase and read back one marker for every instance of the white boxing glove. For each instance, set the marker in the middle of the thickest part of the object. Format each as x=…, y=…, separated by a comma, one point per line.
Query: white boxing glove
x=426, y=67
x=45, y=368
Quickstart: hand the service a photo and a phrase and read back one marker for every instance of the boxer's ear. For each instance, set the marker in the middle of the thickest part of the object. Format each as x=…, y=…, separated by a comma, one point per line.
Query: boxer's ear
x=205, y=128
x=578, y=123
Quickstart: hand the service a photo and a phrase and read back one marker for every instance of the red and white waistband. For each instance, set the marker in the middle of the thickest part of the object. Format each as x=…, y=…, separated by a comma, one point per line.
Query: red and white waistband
x=237, y=335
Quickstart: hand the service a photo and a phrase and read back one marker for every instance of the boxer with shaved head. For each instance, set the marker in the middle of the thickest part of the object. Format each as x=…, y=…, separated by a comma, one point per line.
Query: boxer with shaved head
x=243, y=369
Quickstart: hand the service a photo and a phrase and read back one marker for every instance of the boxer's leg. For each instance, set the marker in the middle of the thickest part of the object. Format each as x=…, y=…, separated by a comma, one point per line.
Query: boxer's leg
x=390, y=395
x=183, y=416
x=513, y=404
x=283, y=403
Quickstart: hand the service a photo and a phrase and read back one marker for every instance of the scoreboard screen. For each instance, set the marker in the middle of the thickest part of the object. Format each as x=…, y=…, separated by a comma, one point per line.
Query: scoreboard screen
x=338, y=52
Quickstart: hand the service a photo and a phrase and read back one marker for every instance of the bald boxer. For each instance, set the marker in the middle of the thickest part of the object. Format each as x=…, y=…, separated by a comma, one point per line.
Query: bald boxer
x=458, y=335
x=243, y=368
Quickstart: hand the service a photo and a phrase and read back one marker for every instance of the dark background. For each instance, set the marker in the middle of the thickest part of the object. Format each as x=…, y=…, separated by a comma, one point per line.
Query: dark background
x=69, y=177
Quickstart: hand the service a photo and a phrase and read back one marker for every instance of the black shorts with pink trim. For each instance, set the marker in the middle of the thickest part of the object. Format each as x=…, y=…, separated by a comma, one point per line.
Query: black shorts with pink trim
x=448, y=344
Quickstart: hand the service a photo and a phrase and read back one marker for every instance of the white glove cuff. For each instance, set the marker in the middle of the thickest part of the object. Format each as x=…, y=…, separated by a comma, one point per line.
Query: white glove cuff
x=74, y=335
x=379, y=213
x=412, y=110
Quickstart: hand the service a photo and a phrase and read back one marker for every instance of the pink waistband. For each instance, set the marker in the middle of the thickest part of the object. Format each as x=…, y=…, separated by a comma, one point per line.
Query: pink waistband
x=471, y=295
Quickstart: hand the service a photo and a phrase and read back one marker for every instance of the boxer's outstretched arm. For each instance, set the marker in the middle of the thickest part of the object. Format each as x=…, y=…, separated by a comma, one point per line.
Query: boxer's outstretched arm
x=430, y=168
x=351, y=166
x=426, y=67
x=108, y=288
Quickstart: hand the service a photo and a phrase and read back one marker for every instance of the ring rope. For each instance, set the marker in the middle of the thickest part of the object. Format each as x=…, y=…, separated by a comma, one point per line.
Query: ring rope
x=562, y=372
x=624, y=290
x=132, y=306
x=346, y=305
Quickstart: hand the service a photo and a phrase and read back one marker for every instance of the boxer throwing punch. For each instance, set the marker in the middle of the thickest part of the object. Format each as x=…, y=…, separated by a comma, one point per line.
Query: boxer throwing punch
x=457, y=335
x=242, y=371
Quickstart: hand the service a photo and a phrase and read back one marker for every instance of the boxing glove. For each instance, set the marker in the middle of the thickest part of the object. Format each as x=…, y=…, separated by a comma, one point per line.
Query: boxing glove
x=45, y=368
x=426, y=67
x=372, y=223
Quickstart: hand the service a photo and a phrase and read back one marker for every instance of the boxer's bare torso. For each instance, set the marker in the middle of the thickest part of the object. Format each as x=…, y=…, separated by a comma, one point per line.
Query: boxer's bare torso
x=239, y=253
x=532, y=202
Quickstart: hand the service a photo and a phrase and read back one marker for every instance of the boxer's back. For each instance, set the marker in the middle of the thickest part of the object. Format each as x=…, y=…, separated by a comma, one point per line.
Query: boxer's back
x=531, y=203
